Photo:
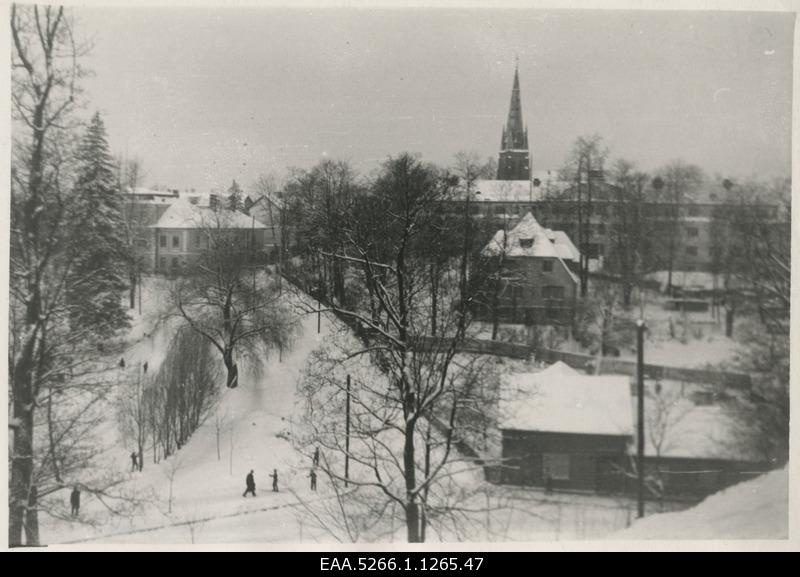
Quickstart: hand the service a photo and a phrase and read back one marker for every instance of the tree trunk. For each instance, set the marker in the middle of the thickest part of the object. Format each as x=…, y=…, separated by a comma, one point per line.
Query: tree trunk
x=21, y=472
x=132, y=290
x=22, y=449
x=410, y=472
x=232, y=370
x=434, y=298
x=496, y=309
x=729, y=314
x=32, y=519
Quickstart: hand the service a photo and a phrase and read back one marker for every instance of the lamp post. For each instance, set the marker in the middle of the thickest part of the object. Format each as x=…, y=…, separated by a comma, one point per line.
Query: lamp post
x=640, y=328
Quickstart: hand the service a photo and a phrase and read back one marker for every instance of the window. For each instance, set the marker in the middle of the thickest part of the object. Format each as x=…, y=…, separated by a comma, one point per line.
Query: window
x=175, y=262
x=555, y=466
x=162, y=262
x=692, y=231
x=694, y=211
x=553, y=292
x=691, y=250
x=526, y=242
x=176, y=242
x=197, y=240
x=162, y=241
x=547, y=266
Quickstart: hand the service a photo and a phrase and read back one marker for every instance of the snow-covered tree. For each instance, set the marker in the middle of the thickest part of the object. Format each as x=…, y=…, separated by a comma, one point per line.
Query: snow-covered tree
x=98, y=275
x=225, y=299
x=403, y=422
x=56, y=374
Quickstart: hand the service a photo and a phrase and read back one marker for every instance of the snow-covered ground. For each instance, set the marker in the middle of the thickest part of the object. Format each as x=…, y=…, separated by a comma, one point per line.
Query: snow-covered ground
x=255, y=423
x=757, y=509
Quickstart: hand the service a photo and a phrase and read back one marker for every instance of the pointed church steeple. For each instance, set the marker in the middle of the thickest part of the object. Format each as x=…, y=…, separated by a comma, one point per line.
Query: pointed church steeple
x=514, y=156
x=514, y=129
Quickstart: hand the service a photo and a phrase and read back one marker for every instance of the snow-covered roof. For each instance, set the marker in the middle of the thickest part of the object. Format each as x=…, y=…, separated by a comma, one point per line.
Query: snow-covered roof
x=518, y=239
x=564, y=246
x=504, y=190
x=757, y=509
x=530, y=190
x=561, y=400
x=686, y=279
x=141, y=191
x=530, y=239
x=184, y=214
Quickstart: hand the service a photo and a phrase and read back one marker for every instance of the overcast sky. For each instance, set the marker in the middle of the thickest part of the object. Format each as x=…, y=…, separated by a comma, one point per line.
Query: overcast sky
x=203, y=96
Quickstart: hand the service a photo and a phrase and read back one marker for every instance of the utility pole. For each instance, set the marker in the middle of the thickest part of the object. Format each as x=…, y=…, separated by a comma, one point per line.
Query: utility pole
x=640, y=328
x=319, y=303
x=347, y=435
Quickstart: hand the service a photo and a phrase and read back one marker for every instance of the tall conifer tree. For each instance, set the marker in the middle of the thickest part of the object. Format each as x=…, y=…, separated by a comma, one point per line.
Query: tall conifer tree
x=98, y=246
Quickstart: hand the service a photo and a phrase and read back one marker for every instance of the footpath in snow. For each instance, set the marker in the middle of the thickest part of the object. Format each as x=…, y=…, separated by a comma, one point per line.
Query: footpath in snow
x=208, y=479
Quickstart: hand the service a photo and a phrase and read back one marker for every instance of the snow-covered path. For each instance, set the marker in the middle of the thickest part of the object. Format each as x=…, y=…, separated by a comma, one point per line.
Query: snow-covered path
x=254, y=423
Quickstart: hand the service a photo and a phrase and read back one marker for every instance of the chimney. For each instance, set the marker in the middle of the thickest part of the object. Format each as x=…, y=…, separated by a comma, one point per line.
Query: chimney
x=212, y=201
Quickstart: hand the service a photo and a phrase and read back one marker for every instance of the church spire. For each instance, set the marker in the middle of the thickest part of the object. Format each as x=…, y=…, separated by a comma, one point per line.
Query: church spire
x=514, y=156
x=514, y=129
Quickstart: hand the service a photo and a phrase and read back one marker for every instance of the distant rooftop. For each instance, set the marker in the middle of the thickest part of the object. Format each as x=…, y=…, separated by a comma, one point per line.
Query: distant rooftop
x=183, y=214
x=519, y=190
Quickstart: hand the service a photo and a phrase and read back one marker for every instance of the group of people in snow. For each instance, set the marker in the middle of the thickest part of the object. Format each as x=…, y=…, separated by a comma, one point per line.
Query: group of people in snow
x=250, y=483
x=250, y=480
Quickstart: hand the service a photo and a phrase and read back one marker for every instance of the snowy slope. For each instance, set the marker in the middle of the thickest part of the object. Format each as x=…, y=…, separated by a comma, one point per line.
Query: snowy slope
x=207, y=489
x=756, y=509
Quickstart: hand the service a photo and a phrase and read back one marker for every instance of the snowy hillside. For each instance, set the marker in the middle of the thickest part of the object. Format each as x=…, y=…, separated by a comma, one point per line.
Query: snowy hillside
x=754, y=509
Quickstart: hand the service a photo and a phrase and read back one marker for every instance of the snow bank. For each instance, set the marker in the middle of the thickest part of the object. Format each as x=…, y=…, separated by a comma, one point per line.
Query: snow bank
x=757, y=509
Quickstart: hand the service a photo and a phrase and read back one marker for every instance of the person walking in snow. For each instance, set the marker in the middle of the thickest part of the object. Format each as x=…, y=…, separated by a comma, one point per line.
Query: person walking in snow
x=134, y=461
x=274, y=476
x=313, y=476
x=316, y=457
x=251, y=485
x=75, y=501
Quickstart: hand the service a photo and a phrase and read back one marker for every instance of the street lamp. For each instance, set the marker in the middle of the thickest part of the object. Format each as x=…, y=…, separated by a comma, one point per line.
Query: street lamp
x=640, y=328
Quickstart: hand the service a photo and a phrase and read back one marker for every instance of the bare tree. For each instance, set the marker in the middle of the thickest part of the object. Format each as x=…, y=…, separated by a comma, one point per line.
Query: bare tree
x=420, y=385
x=183, y=393
x=171, y=470
x=218, y=299
x=675, y=186
x=132, y=413
x=630, y=227
x=584, y=162
x=135, y=233
x=45, y=356
x=600, y=321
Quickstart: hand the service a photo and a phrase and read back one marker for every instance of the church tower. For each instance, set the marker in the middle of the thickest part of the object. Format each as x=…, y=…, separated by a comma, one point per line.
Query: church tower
x=514, y=161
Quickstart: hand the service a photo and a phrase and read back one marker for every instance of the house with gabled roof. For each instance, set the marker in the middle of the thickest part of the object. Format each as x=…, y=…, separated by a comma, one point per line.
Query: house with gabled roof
x=184, y=231
x=562, y=429
x=531, y=276
x=567, y=430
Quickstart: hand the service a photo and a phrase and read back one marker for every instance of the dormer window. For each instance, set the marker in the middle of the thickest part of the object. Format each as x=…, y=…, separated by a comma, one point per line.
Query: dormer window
x=526, y=242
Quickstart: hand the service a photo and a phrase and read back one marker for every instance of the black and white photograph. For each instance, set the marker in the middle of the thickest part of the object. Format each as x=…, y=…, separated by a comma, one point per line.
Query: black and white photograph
x=326, y=275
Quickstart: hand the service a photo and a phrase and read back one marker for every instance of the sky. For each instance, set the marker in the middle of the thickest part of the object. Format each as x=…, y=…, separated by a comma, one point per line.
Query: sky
x=206, y=95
